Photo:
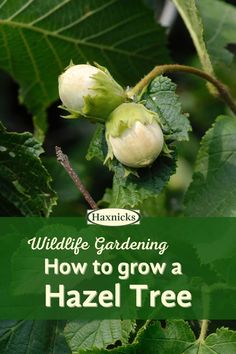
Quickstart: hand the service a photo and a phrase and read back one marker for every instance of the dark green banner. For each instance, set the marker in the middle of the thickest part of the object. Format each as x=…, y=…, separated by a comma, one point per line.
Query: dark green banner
x=62, y=268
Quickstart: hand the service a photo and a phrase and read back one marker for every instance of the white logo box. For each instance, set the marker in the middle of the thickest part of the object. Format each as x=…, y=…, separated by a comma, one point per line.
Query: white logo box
x=113, y=217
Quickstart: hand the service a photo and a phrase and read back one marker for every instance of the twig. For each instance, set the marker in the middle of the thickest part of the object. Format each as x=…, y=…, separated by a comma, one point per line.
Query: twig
x=64, y=161
x=223, y=90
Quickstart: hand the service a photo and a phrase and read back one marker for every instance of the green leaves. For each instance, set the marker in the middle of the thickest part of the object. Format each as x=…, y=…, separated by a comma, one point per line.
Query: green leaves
x=190, y=15
x=223, y=341
x=32, y=337
x=160, y=97
x=131, y=190
x=219, y=29
x=24, y=182
x=39, y=38
x=176, y=338
x=97, y=334
x=213, y=191
x=211, y=30
x=47, y=337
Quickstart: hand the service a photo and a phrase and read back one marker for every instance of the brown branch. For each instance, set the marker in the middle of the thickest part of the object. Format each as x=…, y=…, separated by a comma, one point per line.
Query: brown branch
x=64, y=161
x=223, y=90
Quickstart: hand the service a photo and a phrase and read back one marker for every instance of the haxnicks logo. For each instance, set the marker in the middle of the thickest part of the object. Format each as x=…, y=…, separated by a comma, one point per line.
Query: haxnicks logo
x=113, y=217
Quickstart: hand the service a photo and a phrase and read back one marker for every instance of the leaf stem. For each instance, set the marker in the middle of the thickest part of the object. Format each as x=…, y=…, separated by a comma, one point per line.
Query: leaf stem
x=64, y=161
x=203, y=332
x=223, y=90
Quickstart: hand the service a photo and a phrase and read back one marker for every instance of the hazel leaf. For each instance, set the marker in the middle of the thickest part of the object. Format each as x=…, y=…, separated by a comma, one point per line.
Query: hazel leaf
x=212, y=191
x=160, y=97
x=91, y=335
x=219, y=29
x=24, y=181
x=39, y=38
x=32, y=337
x=176, y=338
x=189, y=12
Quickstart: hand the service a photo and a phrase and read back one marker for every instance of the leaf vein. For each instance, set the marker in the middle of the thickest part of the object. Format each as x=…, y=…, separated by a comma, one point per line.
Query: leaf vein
x=24, y=7
x=221, y=23
x=50, y=12
x=150, y=46
x=79, y=50
x=117, y=25
x=77, y=41
x=53, y=50
x=135, y=36
x=3, y=3
x=34, y=64
x=5, y=42
x=85, y=16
